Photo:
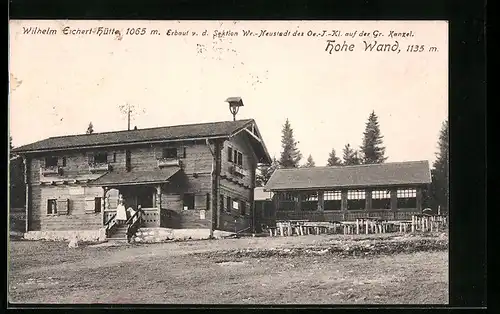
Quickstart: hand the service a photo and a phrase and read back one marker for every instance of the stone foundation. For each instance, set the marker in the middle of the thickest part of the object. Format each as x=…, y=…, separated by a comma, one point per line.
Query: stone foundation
x=154, y=235
x=97, y=235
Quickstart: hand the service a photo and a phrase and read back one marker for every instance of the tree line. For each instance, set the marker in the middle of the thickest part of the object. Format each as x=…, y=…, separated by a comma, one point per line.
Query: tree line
x=372, y=151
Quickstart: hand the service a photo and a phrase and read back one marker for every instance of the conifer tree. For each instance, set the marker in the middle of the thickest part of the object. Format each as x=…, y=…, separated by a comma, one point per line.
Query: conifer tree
x=350, y=156
x=372, y=150
x=333, y=160
x=440, y=173
x=290, y=154
x=265, y=172
x=310, y=162
x=90, y=128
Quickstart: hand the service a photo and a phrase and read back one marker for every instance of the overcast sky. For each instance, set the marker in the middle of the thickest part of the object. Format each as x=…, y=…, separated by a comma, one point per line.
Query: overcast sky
x=59, y=83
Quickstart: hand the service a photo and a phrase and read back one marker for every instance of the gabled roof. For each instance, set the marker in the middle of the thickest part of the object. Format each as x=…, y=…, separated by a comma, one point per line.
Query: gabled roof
x=260, y=195
x=168, y=133
x=385, y=174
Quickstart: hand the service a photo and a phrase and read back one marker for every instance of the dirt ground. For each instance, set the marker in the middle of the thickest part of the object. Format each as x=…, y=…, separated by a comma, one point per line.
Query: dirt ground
x=334, y=269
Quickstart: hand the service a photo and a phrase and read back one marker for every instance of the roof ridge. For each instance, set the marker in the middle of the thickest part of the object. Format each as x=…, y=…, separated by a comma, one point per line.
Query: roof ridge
x=152, y=128
x=356, y=166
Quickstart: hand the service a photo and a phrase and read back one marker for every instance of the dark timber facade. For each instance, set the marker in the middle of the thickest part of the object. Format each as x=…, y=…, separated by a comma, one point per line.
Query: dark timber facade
x=387, y=191
x=195, y=176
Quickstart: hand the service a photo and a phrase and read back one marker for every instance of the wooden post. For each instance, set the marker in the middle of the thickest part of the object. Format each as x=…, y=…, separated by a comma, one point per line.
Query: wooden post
x=368, y=199
x=158, y=203
x=321, y=201
x=366, y=224
x=357, y=226
x=27, y=164
x=413, y=218
x=419, y=199
x=394, y=199
x=343, y=202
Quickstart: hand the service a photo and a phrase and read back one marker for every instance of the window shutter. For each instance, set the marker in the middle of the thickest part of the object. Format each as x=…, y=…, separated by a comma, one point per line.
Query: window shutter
x=181, y=152
x=42, y=162
x=158, y=152
x=229, y=154
x=60, y=161
x=89, y=205
x=63, y=206
x=110, y=157
x=90, y=158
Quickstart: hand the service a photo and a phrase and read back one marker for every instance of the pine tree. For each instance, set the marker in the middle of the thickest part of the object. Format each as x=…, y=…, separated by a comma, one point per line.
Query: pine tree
x=310, y=162
x=333, y=160
x=265, y=172
x=350, y=156
x=90, y=128
x=290, y=155
x=11, y=147
x=372, y=149
x=440, y=172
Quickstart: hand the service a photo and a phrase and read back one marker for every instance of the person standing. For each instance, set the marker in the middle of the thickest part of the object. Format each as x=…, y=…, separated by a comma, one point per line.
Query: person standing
x=121, y=212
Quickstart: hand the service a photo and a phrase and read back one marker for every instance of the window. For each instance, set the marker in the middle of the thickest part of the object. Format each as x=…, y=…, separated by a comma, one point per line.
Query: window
x=51, y=161
x=64, y=161
x=128, y=160
x=407, y=198
x=97, y=204
x=208, y=201
x=169, y=153
x=228, y=204
x=356, y=199
x=236, y=205
x=333, y=200
x=188, y=201
x=101, y=158
x=235, y=156
x=309, y=201
x=52, y=206
x=240, y=159
x=243, y=208
x=381, y=199
x=287, y=200
x=229, y=154
x=182, y=152
x=114, y=157
x=221, y=202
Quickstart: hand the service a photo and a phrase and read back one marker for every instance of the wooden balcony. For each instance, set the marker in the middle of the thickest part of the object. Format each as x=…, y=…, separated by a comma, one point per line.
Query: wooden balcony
x=168, y=162
x=51, y=171
x=239, y=171
x=98, y=167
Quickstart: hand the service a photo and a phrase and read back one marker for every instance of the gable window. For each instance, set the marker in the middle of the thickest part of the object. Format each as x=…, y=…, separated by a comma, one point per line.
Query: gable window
x=101, y=158
x=51, y=161
x=333, y=200
x=230, y=154
x=381, y=199
x=97, y=204
x=356, y=199
x=240, y=159
x=188, y=201
x=169, y=153
x=52, y=206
